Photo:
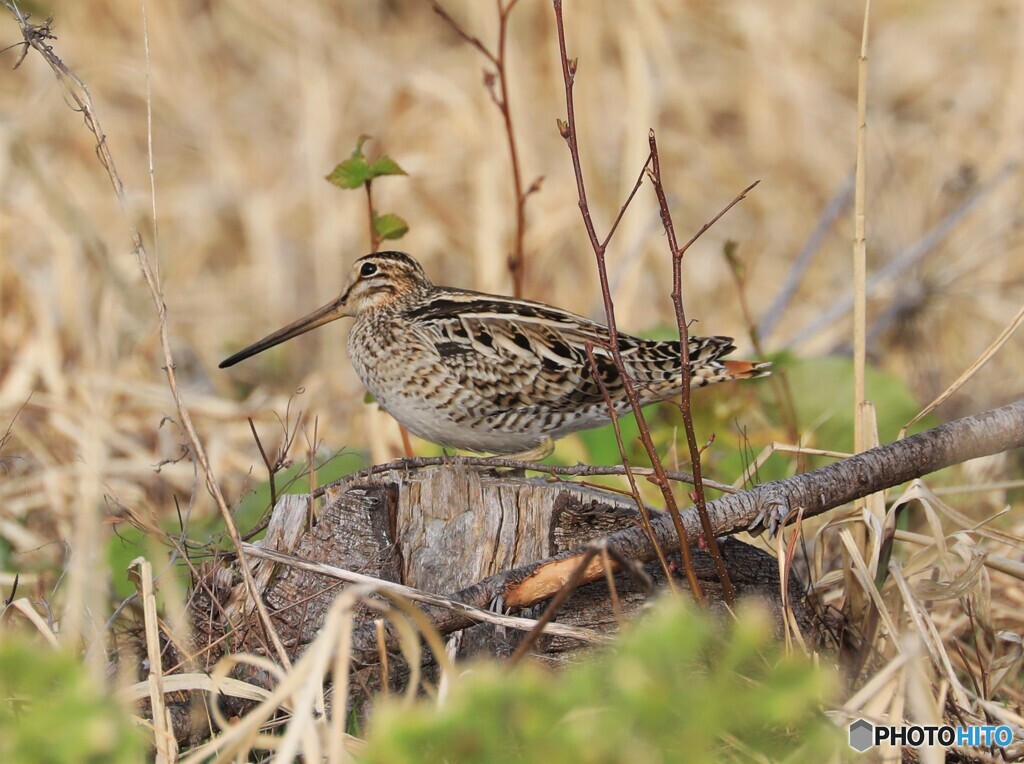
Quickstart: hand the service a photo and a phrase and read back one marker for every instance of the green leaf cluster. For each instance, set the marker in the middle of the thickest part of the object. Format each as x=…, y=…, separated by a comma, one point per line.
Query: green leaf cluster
x=52, y=711
x=359, y=172
x=356, y=171
x=675, y=688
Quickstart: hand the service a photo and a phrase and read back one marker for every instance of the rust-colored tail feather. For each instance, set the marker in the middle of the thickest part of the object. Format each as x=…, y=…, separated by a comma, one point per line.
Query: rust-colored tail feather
x=747, y=369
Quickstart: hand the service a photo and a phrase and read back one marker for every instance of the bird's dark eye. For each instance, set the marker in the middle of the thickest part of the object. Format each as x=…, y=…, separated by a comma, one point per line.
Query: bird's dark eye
x=368, y=269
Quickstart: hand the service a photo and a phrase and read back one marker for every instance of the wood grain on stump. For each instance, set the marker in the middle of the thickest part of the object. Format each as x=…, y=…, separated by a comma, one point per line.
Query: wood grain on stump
x=442, y=530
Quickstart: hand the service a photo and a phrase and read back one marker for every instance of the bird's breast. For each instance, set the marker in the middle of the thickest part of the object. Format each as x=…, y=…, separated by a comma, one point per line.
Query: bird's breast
x=391, y=359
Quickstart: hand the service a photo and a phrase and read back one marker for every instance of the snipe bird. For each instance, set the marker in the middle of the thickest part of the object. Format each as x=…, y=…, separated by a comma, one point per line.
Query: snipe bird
x=486, y=373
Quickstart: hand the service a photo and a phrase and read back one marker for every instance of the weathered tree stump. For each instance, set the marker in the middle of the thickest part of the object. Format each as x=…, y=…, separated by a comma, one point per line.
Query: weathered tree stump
x=443, y=529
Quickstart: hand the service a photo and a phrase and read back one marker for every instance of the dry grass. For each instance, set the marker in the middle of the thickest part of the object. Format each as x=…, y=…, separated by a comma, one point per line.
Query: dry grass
x=254, y=102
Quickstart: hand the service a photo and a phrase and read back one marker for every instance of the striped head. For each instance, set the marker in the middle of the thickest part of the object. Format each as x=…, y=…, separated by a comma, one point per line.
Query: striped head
x=380, y=279
x=376, y=281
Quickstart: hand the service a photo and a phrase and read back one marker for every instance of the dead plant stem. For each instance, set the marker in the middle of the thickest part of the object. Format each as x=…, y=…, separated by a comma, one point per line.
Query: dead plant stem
x=36, y=37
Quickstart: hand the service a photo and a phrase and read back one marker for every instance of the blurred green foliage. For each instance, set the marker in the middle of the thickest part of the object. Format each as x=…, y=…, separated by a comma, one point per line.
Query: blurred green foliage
x=676, y=688
x=823, y=394
x=602, y=448
x=52, y=711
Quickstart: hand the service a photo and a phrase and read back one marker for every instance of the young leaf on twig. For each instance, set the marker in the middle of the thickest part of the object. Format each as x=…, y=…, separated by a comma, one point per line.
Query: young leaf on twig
x=356, y=172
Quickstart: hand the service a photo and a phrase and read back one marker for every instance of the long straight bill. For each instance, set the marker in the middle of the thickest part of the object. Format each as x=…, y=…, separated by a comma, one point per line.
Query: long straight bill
x=329, y=312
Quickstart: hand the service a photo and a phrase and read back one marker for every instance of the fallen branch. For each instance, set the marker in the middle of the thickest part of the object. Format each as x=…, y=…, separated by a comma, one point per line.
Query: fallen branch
x=475, y=614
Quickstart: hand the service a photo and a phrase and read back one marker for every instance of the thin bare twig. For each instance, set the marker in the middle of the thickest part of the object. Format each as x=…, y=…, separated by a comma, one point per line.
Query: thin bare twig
x=271, y=472
x=684, y=356
x=645, y=515
x=501, y=462
x=10, y=425
x=500, y=97
x=613, y=590
x=569, y=133
x=555, y=605
x=778, y=381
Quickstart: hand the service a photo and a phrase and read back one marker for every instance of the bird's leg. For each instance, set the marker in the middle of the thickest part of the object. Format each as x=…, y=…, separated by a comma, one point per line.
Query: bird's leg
x=539, y=452
x=406, y=443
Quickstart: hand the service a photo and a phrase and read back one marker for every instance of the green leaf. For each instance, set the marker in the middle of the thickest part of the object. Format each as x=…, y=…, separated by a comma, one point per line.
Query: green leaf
x=352, y=173
x=390, y=226
x=385, y=165
x=602, y=448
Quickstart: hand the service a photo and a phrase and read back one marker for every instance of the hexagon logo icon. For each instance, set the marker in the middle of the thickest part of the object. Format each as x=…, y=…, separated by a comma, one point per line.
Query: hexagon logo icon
x=861, y=735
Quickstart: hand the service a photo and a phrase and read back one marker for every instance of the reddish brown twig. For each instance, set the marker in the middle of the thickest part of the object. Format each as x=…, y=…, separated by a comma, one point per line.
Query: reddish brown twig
x=555, y=604
x=684, y=354
x=586, y=571
x=500, y=97
x=568, y=131
x=634, y=491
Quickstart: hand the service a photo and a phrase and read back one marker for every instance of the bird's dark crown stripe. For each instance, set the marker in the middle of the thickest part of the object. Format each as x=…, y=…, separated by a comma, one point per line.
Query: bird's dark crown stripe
x=400, y=257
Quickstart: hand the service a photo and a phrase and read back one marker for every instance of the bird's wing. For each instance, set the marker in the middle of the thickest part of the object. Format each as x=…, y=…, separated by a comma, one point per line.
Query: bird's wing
x=518, y=354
